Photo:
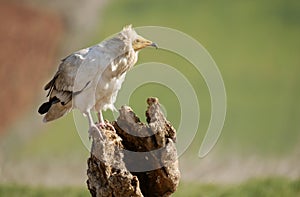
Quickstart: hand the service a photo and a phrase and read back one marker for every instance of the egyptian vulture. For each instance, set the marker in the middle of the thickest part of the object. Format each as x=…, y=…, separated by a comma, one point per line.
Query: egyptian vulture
x=90, y=79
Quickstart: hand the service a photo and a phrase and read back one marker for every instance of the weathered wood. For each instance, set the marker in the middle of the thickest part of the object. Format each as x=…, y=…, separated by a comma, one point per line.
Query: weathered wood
x=137, y=159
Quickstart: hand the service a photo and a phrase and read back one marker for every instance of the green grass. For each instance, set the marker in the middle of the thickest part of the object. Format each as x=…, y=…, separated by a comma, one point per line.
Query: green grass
x=270, y=187
x=26, y=191
x=58, y=139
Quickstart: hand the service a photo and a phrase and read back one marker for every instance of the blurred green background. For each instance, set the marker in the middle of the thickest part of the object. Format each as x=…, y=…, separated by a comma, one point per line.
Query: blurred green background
x=256, y=46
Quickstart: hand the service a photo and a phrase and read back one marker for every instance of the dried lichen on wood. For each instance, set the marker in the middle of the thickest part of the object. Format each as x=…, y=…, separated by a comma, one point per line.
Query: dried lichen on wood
x=137, y=159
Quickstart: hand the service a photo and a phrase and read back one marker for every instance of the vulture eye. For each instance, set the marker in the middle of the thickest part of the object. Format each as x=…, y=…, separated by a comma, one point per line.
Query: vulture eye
x=137, y=40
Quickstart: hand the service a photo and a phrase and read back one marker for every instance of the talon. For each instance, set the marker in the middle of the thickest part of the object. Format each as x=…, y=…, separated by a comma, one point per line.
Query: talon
x=105, y=125
x=102, y=125
x=110, y=126
x=95, y=133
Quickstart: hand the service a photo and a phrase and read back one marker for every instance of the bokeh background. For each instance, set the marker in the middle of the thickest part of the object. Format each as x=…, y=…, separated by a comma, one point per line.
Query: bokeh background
x=255, y=44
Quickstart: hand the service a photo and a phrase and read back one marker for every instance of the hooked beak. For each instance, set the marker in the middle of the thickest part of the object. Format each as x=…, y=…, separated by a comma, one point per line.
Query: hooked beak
x=154, y=45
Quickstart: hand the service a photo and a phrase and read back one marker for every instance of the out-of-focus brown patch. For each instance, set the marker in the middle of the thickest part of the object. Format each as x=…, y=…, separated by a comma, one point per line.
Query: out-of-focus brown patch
x=29, y=40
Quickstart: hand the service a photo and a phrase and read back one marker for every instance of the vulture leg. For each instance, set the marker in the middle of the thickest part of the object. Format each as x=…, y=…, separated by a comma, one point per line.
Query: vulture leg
x=93, y=129
x=100, y=118
x=102, y=123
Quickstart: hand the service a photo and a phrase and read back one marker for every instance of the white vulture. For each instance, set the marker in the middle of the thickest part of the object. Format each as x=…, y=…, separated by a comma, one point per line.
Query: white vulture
x=90, y=79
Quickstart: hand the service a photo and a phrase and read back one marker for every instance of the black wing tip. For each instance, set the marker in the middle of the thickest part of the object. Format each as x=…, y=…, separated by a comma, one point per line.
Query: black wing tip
x=44, y=108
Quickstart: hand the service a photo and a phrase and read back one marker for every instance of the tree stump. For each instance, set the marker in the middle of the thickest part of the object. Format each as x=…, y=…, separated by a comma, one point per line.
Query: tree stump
x=136, y=159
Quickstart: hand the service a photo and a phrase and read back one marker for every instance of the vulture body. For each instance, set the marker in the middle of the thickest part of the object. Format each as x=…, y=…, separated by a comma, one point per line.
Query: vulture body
x=90, y=79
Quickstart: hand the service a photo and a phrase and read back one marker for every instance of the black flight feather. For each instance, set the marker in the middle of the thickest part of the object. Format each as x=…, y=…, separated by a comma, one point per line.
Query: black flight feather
x=44, y=108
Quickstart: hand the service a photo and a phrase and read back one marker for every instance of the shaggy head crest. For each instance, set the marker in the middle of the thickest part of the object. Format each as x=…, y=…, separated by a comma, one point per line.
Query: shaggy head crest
x=128, y=33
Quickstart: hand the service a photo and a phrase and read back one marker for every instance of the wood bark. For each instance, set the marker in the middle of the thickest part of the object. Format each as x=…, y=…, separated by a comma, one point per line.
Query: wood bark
x=136, y=159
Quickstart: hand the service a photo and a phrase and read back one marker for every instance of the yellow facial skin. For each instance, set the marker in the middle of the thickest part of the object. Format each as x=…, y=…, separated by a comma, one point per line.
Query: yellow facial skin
x=141, y=43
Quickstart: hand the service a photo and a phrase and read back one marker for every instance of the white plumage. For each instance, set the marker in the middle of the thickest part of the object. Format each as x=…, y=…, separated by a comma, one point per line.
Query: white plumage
x=90, y=79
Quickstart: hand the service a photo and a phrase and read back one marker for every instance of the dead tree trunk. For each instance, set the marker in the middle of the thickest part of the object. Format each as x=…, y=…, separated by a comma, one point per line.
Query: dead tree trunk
x=137, y=159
